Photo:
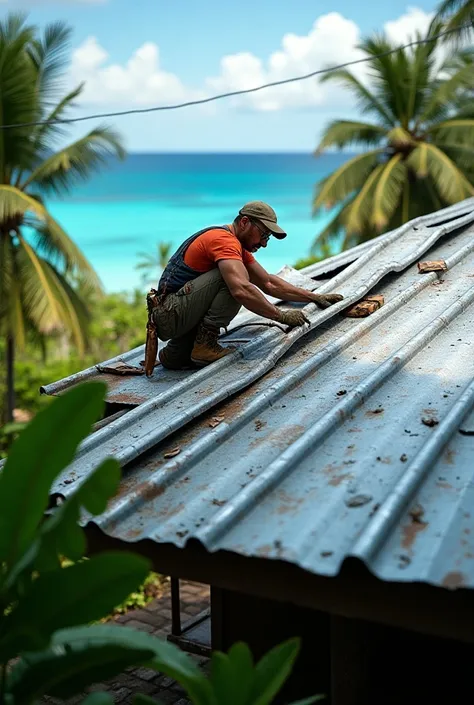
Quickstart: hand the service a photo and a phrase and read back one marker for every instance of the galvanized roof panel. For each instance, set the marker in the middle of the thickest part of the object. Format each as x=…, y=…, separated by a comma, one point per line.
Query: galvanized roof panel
x=344, y=443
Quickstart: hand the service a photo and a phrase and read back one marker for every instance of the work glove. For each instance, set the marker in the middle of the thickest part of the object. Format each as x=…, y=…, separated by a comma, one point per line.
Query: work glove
x=326, y=300
x=292, y=318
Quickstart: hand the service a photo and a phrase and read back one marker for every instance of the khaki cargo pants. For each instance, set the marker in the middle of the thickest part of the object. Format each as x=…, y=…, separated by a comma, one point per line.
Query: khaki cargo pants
x=205, y=299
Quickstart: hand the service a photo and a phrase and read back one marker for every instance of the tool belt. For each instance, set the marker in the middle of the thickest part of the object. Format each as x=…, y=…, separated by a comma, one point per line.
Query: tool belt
x=153, y=299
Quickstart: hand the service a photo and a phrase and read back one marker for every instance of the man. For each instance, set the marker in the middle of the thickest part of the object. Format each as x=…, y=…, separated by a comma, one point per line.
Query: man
x=211, y=275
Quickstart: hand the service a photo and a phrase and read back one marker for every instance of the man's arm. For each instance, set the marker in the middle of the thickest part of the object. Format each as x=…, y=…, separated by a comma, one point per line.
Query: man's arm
x=274, y=286
x=237, y=279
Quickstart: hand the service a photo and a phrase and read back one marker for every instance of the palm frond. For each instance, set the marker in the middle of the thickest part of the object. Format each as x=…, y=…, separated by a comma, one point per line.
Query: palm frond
x=447, y=91
x=449, y=181
x=342, y=133
x=454, y=131
x=367, y=102
x=48, y=55
x=360, y=212
x=41, y=299
x=458, y=13
x=75, y=314
x=52, y=238
x=388, y=191
x=44, y=134
x=344, y=181
x=61, y=171
x=17, y=98
x=390, y=77
x=334, y=229
x=56, y=245
x=14, y=202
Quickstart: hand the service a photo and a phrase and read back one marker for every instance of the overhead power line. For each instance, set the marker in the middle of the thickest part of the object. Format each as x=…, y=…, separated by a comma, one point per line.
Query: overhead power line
x=245, y=91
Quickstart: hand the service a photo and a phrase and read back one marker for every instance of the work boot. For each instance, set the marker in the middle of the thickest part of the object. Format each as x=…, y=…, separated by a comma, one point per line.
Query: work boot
x=171, y=362
x=206, y=348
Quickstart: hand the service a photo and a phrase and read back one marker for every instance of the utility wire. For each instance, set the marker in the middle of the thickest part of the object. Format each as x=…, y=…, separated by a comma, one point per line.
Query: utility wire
x=230, y=94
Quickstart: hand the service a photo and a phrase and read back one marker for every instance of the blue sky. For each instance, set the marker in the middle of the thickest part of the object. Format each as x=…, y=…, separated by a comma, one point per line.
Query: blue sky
x=142, y=52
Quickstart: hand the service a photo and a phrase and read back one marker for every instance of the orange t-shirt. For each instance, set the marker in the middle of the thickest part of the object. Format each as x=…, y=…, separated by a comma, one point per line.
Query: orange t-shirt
x=207, y=249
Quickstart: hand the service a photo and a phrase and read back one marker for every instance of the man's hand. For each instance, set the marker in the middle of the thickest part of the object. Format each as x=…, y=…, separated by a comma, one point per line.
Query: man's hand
x=326, y=300
x=292, y=318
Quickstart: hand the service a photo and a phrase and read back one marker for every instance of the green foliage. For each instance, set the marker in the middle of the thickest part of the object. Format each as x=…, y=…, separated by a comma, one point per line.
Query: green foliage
x=117, y=324
x=459, y=16
x=49, y=596
x=418, y=149
x=148, y=591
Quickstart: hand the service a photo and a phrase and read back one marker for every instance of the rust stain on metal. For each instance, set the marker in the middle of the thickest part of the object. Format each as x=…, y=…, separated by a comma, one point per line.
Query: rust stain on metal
x=454, y=580
x=219, y=502
x=288, y=502
x=374, y=412
x=126, y=398
x=282, y=437
x=444, y=485
x=150, y=492
x=133, y=533
x=411, y=530
x=332, y=467
x=171, y=511
x=448, y=456
x=259, y=424
x=265, y=550
x=336, y=481
x=355, y=430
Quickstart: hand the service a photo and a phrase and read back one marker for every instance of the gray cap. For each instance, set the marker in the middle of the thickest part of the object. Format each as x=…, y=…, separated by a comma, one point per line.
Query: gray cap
x=265, y=214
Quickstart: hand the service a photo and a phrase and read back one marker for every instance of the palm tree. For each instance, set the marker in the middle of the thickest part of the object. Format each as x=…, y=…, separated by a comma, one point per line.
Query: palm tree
x=420, y=144
x=38, y=260
x=459, y=15
x=151, y=264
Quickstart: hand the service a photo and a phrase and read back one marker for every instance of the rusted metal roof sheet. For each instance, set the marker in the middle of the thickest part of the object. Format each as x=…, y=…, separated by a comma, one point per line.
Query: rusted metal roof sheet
x=354, y=439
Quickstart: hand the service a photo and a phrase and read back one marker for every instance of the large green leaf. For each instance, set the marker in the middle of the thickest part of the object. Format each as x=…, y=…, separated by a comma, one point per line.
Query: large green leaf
x=63, y=673
x=272, y=671
x=166, y=658
x=44, y=449
x=61, y=535
x=81, y=593
x=232, y=675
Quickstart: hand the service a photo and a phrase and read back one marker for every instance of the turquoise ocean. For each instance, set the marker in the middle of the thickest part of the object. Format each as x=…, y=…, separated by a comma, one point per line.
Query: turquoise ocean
x=130, y=206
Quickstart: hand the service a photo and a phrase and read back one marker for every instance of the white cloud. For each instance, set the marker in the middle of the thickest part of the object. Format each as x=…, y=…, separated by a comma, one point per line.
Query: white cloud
x=140, y=82
x=405, y=27
x=331, y=41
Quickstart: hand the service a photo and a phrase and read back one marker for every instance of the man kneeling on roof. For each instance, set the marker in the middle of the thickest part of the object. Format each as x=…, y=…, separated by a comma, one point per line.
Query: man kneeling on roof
x=211, y=275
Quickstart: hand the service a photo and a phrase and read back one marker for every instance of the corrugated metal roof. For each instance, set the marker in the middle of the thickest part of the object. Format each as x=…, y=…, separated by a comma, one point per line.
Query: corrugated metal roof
x=351, y=440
